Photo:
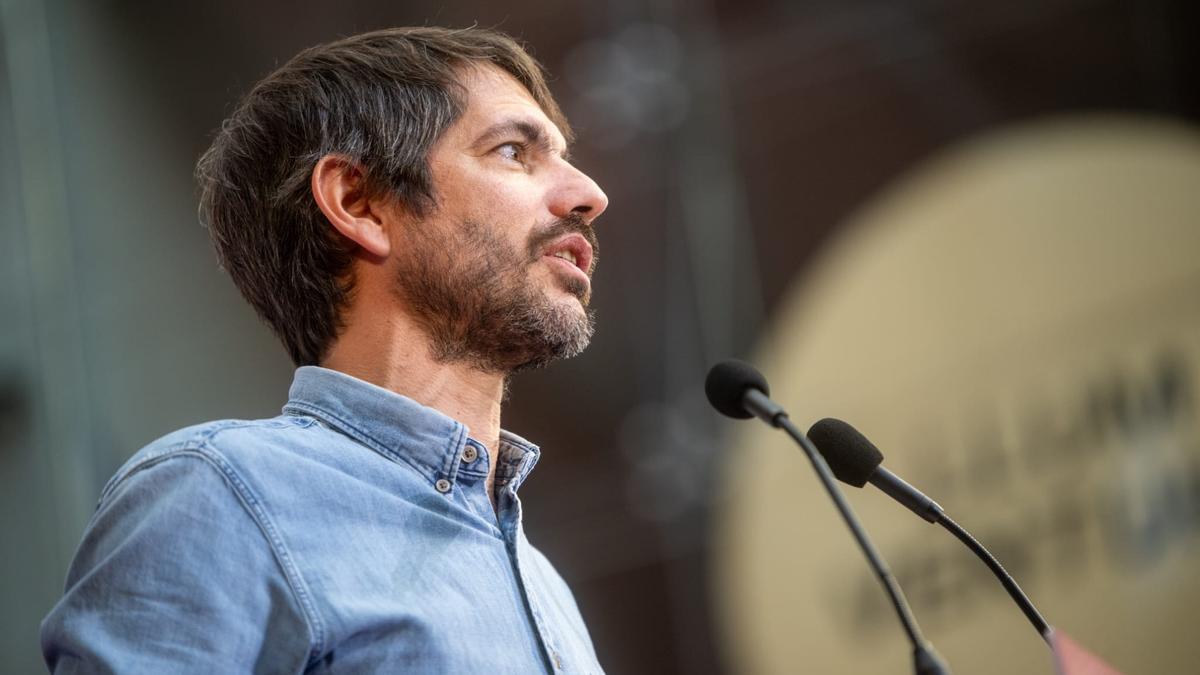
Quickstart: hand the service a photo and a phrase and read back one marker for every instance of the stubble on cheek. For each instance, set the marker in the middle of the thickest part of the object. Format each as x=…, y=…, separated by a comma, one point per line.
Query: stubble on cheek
x=475, y=297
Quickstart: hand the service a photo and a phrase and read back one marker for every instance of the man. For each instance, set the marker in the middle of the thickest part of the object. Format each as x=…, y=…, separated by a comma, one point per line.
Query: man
x=399, y=207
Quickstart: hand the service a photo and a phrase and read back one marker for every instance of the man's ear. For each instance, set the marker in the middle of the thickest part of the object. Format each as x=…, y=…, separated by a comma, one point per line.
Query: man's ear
x=338, y=186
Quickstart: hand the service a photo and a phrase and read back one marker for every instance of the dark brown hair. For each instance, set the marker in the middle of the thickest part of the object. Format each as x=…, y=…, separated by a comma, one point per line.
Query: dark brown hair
x=381, y=100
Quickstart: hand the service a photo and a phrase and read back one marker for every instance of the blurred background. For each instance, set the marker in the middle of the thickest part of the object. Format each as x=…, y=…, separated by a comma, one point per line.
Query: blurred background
x=971, y=228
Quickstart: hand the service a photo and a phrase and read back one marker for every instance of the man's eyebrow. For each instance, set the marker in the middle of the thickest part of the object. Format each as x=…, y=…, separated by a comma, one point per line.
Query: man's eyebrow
x=531, y=132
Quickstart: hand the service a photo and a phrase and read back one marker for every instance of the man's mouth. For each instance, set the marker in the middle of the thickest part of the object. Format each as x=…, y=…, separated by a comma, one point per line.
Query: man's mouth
x=568, y=256
x=574, y=249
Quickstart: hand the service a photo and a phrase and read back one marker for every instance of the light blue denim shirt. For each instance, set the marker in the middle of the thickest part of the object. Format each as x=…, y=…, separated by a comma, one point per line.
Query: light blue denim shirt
x=352, y=534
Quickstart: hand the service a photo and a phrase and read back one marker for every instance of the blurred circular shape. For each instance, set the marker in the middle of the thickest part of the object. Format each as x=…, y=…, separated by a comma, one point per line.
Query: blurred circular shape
x=591, y=64
x=655, y=46
x=1016, y=325
x=667, y=461
x=627, y=85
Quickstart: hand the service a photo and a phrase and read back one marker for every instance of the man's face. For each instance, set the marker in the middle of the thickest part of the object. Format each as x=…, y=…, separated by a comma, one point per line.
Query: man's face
x=499, y=273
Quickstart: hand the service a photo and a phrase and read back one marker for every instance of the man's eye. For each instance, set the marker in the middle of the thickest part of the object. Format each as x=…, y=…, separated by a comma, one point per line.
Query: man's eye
x=513, y=151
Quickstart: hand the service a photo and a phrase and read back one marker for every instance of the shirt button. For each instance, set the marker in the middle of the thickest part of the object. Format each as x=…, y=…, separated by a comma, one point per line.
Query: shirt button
x=469, y=454
x=442, y=485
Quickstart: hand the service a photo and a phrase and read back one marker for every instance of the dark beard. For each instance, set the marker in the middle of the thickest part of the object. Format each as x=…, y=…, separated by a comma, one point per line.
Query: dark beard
x=472, y=294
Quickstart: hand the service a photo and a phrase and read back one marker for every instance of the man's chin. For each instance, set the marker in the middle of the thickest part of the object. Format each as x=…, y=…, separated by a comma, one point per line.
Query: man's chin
x=562, y=333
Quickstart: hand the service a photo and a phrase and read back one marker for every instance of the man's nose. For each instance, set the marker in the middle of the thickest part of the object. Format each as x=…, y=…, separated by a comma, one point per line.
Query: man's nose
x=579, y=194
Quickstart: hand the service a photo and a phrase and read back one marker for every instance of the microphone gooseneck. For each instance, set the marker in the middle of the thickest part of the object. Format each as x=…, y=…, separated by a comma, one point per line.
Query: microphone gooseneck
x=736, y=389
x=1006, y=579
x=856, y=460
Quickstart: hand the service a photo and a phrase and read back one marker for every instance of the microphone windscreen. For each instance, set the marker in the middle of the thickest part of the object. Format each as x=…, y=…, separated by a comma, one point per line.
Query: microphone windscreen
x=727, y=383
x=849, y=454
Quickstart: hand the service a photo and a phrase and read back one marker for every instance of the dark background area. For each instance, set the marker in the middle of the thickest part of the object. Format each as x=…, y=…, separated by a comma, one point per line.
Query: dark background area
x=732, y=138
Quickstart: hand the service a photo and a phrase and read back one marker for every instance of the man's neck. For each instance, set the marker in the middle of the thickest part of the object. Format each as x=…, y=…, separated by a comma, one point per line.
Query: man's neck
x=395, y=355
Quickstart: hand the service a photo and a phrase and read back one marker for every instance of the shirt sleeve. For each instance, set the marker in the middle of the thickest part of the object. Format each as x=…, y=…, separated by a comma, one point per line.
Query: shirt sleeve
x=177, y=573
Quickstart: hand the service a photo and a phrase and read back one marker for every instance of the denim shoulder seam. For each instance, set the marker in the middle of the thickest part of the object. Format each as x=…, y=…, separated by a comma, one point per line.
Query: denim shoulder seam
x=201, y=448
x=283, y=555
x=150, y=458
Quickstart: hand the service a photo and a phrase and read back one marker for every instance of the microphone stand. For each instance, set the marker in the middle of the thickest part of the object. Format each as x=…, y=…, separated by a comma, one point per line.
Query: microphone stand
x=925, y=660
x=917, y=502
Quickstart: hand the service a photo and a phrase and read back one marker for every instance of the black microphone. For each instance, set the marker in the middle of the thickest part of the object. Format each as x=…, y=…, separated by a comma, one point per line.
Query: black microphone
x=856, y=460
x=738, y=390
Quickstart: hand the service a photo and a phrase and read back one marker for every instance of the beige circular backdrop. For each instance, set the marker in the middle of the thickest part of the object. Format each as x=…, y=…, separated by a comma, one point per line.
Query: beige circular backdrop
x=1017, y=326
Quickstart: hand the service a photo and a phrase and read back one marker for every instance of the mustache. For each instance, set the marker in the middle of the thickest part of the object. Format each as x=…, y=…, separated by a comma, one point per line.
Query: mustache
x=572, y=224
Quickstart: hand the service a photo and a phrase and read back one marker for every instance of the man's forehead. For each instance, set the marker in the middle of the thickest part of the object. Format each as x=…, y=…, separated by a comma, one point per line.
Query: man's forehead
x=495, y=97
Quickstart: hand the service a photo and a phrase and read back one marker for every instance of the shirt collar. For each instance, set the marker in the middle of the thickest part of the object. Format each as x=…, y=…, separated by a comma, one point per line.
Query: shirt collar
x=401, y=429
